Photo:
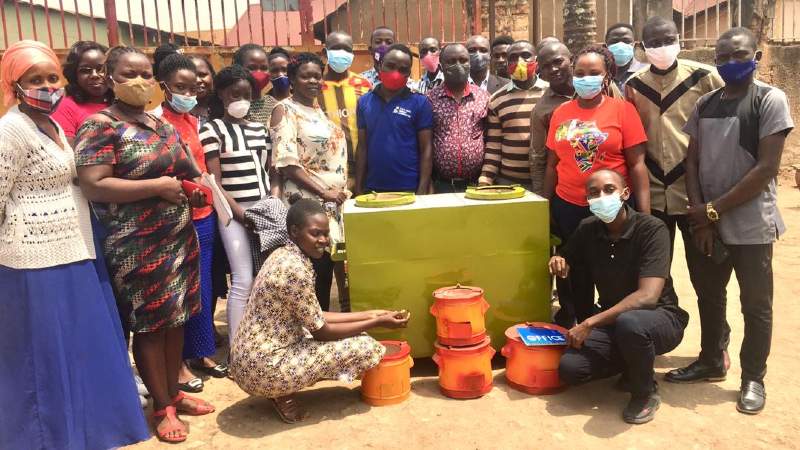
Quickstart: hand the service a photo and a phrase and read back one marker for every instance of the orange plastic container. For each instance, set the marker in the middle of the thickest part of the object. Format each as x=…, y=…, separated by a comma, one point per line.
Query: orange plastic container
x=533, y=370
x=390, y=381
x=465, y=372
x=459, y=312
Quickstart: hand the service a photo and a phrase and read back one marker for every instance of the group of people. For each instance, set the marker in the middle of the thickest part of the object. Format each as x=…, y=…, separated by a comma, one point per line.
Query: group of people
x=109, y=227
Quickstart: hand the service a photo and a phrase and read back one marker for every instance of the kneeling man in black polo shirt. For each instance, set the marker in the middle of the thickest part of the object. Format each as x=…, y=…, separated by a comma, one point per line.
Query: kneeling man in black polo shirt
x=627, y=255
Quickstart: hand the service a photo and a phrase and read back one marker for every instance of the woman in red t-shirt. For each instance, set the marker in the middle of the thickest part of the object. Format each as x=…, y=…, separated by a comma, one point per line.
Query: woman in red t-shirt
x=590, y=133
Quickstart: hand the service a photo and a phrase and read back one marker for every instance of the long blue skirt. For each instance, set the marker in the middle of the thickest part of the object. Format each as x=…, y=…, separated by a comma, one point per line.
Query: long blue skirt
x=65, y=376
x=198, y=331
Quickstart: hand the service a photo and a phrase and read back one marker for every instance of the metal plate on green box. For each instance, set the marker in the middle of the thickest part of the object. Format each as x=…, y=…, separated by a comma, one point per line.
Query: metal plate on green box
x=495, y=192
x=385, y=199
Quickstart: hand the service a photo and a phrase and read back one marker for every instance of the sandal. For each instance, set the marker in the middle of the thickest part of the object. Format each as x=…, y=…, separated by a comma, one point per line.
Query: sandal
x=218, y=371
x=200, y=408
x=194, y=386
x=170, y=414
x=286, y=406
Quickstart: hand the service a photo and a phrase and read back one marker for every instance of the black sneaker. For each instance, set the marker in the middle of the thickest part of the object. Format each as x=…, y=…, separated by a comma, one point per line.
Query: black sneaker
x=641, y=409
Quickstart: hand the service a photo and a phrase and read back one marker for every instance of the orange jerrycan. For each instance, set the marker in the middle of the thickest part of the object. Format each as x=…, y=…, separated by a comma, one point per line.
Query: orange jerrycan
x=459, y=312
x=390, y=381
x=533, y=370
x=465, y=372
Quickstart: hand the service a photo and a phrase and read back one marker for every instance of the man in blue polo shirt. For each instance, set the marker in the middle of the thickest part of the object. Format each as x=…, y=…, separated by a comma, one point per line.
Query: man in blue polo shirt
x=395, y=143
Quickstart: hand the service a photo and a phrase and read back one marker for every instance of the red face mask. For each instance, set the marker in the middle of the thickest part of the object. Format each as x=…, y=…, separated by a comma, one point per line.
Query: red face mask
x=522, y=70
x=393, y=80
x=262, y=79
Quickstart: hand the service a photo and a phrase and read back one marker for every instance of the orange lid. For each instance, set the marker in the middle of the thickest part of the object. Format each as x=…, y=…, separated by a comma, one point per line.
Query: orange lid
x=512, y=334
x=457, y=292
x=395, y=350
x=469, y=349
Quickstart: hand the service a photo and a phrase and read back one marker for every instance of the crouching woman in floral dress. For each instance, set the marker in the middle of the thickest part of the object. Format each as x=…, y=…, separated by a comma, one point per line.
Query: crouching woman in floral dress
x=285, y=341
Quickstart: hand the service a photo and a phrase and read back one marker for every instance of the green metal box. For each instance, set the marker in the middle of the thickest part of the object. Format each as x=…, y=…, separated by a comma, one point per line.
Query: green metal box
x=398, y=256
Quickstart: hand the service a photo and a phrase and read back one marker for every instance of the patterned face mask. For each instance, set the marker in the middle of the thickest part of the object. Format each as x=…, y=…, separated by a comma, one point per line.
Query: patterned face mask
x=44, y=99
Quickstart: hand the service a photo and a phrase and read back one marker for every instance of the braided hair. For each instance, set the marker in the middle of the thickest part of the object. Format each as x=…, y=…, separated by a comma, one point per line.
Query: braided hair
x=241, y=54
x=278, y=52
x=303, y=58
x=115, y=54
x=603, y=52
x=160, y=54
x=227, y=77
x=70, y=69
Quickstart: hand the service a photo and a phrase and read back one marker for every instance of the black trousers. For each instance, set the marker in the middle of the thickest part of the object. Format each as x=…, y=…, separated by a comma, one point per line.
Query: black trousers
x=753, y=267
x=628, y=346
x=323, y=268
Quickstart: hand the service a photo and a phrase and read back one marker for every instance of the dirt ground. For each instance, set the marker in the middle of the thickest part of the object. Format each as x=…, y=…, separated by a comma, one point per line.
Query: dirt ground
x=691, y=416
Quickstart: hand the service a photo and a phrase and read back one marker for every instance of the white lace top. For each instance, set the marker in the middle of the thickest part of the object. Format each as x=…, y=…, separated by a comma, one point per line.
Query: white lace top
x=44, y=219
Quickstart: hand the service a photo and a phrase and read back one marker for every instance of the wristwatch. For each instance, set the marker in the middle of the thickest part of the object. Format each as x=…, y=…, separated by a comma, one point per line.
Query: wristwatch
x=711, y=213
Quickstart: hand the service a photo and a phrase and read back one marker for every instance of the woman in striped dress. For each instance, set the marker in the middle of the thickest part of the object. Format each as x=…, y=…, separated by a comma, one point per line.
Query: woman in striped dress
x=238, y=155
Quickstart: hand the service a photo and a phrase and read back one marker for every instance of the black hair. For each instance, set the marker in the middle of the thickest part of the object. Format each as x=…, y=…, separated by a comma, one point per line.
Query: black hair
x=224, y=78
x=115, y=54
x=208, y=63
x=741, y=31
x=301, y=59
x=605, y=54
x=241, y=53
x=379, y=28
x=70, y=69
x=617, y=176
x=401, y=48
x=656, y=21
x=278, y=52
x=502, y=40
x=173, y=63
x=450, y=45
x=161, y=53
x=301, y=210
x=619, y=25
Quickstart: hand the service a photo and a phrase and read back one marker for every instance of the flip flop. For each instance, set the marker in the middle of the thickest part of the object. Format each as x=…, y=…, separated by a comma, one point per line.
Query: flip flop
x=169, y=413
x=194, y=386
x=197, y=410
x=283, y=415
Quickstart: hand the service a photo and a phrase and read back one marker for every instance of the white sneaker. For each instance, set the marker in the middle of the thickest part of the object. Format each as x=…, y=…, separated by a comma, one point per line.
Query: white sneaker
x=143, y=392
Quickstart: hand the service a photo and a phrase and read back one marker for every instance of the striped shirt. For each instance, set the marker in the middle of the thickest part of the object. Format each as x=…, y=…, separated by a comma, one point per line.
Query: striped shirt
x=243, y=152
x=508, y=134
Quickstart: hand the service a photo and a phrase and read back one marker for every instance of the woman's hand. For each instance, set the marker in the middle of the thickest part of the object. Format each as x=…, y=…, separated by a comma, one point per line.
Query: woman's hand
x=198, y=198
x=170, y=189
x=394, y=319
x=375, y=313
x=334, y=195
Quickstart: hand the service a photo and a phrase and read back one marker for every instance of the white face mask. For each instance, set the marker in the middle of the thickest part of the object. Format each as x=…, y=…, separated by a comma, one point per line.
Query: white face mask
x=663, y=57
x=239, y=108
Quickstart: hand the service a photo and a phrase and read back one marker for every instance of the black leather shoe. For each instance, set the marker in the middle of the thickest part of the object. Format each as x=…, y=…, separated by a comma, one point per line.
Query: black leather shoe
x=641, y=409
x=752, y=397
x=696, y=372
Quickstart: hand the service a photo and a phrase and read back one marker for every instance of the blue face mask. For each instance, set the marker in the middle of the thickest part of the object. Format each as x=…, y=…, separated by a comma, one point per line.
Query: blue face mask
x=623, y=53
x=734, y=72
x=340, y=60
x=281, y=84
x=606, y=207
x=183, y=103
x=588, y=87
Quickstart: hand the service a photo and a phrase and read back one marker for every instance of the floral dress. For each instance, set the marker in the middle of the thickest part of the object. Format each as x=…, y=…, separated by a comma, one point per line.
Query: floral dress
x=273, y=353
x=151, y=248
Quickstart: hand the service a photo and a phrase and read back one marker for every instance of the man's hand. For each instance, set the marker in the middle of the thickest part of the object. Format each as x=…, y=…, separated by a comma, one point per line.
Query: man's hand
x=578, y=334
x=559, y=267
x=704, y=239
x=698, y=216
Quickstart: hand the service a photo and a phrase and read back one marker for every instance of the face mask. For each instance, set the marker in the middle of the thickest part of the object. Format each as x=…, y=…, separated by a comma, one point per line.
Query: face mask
x=379, y=52
x=734, y=72
x=281, y=84
x=182, y=103
x=522, y=70
x=135, y=92
x=623, y=53
x=663, y=57
x=431, y=62
x=44, y=99
x=478, y=61
x=588, y=87
x=262, y=79
x=606, y=207
x=238, y=109
x=340, y=60
x=393, y=80
x=457, y=73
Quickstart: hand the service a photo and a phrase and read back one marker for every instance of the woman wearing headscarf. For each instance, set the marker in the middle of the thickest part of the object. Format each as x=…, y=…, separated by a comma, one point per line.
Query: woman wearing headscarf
x=64, y=372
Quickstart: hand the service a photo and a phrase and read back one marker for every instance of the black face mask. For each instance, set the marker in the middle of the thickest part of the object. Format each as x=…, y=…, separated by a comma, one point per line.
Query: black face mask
x=479, y=61
x=456, y=73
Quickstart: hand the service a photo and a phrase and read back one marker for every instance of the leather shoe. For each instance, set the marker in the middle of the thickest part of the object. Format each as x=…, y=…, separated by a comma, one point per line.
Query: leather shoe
x=752, y=397
x=695, y=372
x=641, y=409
